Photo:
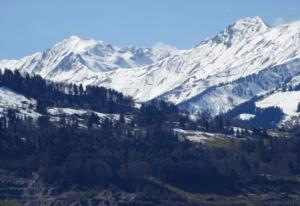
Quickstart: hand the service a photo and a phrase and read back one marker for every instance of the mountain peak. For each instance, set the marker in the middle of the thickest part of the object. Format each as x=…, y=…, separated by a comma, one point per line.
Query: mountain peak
x=78, y=45
x=73, y=38
x=254, y=23
x=240, y=30
x=254, y=20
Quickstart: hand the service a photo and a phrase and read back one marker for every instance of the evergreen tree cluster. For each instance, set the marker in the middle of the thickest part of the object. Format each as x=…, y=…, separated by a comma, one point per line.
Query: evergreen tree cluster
x=51, y=94
x=264, y=117
x=119, y=154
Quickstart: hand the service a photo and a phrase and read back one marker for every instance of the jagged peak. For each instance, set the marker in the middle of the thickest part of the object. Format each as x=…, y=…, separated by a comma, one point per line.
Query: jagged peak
x=253, y=22
x=246, y=26
x=239, y=30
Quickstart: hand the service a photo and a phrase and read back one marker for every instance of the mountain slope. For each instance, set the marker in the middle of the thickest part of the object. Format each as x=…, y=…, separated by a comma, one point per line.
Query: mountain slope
x=288, y=102
x=12, y=100
x=237, y=52
x=248, y=58
x=76, y=60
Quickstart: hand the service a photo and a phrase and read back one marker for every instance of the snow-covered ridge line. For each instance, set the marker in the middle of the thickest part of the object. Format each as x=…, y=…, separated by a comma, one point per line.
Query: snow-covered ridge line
x=247, y=58
x=95, y=55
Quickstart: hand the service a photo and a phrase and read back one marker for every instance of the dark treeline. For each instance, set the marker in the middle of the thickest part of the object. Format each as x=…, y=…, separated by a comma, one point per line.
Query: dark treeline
x=264, y=117
x=125, y=156
x=113, y=154
x=49, y=93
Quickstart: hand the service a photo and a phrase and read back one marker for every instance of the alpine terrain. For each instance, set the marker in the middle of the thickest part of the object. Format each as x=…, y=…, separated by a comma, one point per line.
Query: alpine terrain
x=246, y=59
x=86, y=123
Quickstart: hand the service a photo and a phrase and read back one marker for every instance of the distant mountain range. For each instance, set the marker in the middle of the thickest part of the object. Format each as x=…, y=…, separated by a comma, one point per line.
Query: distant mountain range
x=248, y=59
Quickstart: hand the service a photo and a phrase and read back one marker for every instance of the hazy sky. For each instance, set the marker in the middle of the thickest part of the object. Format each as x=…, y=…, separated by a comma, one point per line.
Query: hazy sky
x=28, y=26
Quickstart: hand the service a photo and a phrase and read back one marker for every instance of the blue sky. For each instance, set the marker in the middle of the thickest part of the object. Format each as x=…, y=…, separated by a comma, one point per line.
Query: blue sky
x=28, y=26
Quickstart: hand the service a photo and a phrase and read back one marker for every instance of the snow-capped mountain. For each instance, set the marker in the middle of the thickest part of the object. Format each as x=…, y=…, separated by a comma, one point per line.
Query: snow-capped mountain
x=247, y=58
x=83, y=58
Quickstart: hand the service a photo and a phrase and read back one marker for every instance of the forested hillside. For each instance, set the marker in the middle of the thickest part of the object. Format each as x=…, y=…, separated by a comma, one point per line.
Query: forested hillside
x=136, y=158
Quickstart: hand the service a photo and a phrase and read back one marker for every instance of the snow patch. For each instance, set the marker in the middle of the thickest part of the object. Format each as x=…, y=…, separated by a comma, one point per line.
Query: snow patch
x=22, y=105
x=69, y=111
x=287, y=101
x=246, y=116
